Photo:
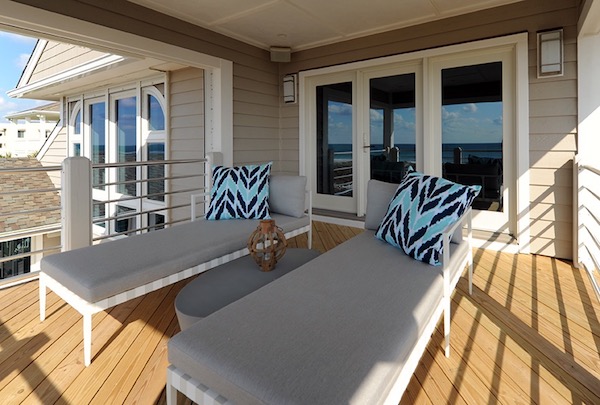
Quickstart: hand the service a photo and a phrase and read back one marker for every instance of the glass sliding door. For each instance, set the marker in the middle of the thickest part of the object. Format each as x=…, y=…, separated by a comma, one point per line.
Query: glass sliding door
x=392, y=126
x=97, y=126
x=476, y=131
x=335, y=140
x=472, y=132
x=333, y=143
x=125, y=110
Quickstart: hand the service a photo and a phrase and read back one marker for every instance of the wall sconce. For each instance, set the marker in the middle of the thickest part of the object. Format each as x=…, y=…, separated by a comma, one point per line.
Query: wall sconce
x=289, y=88
x=550, y=53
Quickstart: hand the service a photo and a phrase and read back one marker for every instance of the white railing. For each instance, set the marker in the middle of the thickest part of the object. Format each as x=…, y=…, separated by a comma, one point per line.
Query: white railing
x=587, y=219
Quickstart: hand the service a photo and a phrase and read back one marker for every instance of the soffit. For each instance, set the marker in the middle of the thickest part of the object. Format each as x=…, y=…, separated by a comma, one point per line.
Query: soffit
x=302, y=24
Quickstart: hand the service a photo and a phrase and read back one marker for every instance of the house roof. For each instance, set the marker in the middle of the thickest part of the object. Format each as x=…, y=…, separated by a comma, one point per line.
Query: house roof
x=28, y=201
x=50, y=111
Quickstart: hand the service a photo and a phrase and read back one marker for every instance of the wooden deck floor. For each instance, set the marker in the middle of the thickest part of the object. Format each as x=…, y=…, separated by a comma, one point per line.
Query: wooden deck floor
x=530, y=333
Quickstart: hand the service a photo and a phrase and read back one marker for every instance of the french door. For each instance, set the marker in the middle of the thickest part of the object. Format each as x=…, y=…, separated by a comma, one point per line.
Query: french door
x=364, y=126
x=451, y=115
x=473, y=133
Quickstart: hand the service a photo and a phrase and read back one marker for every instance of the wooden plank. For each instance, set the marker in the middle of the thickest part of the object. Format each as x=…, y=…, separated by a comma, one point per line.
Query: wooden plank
x=89, y=381
x=143, y=392
x=115, y=388
x=581, y=381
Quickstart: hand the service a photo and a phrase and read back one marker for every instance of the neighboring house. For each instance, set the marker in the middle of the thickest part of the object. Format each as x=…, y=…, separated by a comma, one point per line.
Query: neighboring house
x=30, y=219
x=422, y=77
x=26, y=131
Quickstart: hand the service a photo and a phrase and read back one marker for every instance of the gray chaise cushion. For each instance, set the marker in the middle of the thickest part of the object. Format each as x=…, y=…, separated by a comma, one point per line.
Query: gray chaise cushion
x=336, y=330
x=104, y=270
x=287, y=195
x=379, y=195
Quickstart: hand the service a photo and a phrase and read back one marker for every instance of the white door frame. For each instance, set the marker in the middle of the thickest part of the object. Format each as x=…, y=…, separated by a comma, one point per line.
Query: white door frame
x=519, y=44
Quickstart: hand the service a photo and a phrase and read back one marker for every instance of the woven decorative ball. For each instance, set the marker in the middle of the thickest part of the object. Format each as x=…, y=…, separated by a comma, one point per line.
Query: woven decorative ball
x=267, y=244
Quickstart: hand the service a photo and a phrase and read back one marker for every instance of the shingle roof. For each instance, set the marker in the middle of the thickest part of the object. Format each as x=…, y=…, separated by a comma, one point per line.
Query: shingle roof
x=22, y=181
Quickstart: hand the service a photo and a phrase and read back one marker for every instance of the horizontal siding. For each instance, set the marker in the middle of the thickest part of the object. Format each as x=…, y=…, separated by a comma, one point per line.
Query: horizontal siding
x=186, y=140
x=553, y=144
x=256, y=119
x=56, y=153
x=58, y=57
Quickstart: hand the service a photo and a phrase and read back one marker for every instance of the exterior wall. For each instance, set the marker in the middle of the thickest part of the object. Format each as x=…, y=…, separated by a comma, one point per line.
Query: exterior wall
x=552, y=146
x=58, y=57
x=255, y=126
x=255, y=116
x=56, y=153
x=186, y=139
x=553, y=101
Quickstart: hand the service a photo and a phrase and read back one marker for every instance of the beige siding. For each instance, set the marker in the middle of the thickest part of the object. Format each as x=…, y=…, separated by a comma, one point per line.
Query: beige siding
x=255, y=115
x=58, y=57
x=186, y=139
x=552, y=145
x=56, y=153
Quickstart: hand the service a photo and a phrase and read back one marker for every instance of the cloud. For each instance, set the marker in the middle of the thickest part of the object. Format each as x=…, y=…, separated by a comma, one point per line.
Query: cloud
x=22, y=60
x=340, y=108
x=376, y=115
x=470, y=108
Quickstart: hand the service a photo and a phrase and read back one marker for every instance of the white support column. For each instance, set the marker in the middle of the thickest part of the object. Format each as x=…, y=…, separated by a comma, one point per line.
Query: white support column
x=76, y=202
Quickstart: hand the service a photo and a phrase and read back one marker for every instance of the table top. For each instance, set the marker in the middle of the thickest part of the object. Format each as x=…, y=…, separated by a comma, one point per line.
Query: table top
x=233, y=280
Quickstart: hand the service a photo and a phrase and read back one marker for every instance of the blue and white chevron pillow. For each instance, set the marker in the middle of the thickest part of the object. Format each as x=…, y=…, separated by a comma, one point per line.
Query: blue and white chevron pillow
x=421, y=209
x=240, y=192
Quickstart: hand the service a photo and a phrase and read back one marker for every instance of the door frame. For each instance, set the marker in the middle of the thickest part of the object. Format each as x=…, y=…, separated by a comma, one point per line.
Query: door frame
x=518, y=43
x=505, y=221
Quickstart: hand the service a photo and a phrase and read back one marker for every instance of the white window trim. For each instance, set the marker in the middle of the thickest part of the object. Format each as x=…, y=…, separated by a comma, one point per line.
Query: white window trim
x=521, y=108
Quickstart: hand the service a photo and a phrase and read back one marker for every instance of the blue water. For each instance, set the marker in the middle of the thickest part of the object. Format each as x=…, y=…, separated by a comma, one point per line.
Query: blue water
x=407, y=151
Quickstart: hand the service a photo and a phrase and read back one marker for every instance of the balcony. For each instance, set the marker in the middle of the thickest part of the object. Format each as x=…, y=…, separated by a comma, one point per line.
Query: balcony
x=530, y=333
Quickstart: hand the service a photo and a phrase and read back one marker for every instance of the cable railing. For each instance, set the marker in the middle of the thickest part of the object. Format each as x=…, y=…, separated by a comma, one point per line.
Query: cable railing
x=587, y=196
x=142, y=204
x=31, y=206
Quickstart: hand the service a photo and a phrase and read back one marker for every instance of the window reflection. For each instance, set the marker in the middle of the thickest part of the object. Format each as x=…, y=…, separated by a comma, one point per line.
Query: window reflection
x=472, y=130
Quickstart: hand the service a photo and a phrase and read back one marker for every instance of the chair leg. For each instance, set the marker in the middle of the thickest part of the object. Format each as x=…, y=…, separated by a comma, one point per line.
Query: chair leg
x=43, y=291
x=447, y=327
x=87, y=339
x=171, y=391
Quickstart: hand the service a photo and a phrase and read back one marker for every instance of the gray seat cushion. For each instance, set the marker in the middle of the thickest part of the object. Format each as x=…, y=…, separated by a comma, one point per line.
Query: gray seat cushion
x=336, y=330
x=104, y=270
x=287, y=195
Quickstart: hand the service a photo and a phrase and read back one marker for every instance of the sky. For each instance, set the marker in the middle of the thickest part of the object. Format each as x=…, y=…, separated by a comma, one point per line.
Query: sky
x=15, y=51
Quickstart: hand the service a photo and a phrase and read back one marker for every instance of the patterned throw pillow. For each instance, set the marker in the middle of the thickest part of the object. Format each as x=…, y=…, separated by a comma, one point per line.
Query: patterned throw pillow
x=240, y=192
x=421, y=209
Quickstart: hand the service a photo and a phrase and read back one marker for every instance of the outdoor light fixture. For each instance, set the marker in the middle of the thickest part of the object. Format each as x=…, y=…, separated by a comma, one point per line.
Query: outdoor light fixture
x=289, y=88
x=550, y=53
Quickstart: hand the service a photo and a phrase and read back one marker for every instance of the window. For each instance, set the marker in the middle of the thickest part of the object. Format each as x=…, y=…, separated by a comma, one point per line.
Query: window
x=123, y=126
x=75, y=134
x=21, y=133
x=18, y=266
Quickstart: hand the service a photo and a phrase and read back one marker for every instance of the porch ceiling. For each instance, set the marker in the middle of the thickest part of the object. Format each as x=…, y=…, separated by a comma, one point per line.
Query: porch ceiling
x=302, y=24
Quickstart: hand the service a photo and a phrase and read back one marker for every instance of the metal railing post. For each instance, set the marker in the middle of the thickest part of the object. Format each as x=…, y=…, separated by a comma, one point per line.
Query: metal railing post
x=76, y=198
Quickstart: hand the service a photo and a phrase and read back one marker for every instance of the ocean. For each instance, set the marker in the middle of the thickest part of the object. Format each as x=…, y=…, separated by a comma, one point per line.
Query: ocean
x=343, y=151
